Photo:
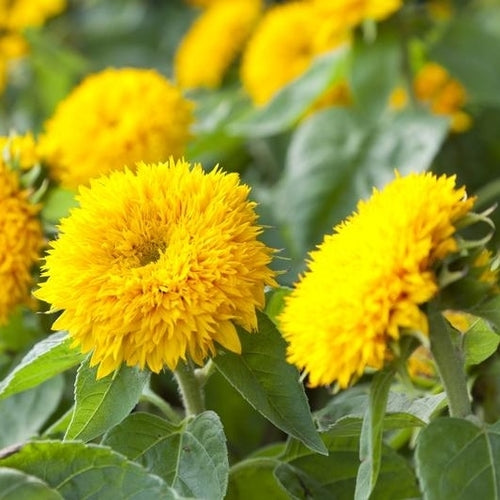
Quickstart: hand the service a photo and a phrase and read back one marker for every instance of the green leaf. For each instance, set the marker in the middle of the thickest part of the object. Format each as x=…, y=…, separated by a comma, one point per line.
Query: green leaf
x=46, y=359
x=21, y=330
x=375, y=71
x=480, y=342
x=22, y=415
x=57, y=204
x=330, y=166
x=490, y=311
x=343, y=413
x=275, y=301
x=293, y=100
x=473, y=32
x=457, y=459
x=192, y=457
x=101, y=404
x=334, y=476
x=76, y=470
x=254, y=478
x=15, y=485
x=271, y=385
x=60, y=426
x=371, y=435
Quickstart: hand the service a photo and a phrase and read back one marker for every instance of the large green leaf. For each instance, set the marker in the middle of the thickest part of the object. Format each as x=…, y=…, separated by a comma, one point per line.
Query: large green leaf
x=191, y=457
x=23, y=415
x=456, y=459
x=76, y=470
x=309, y=475
x=100, y=404
x=15, y=485
x=490, y=311
x=475, y=31
x=254, y=478
x=480, y=342
x=401, y=411
x=293, y=100
x=374, y=72
x=371, y=435
x=336, y=158
x=49, y=357
x=271, y=385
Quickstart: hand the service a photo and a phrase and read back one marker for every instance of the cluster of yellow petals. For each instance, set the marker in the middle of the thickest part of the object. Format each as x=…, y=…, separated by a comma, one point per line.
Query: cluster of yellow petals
x=214, y=41
x=15, y=16
x=115, y=118
x=349, y=13
x=367, y=281
x=283, y=46
x=20, y=150
x=434, y=87
x=155, y=266
x=444, y=95
x=21, y=239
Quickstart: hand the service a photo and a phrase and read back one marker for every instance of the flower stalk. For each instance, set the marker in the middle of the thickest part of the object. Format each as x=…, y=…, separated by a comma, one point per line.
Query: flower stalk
x=190, y=388
x=449, y=361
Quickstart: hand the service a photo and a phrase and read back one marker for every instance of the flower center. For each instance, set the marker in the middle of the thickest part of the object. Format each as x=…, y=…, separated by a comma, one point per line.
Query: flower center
x=150, y=251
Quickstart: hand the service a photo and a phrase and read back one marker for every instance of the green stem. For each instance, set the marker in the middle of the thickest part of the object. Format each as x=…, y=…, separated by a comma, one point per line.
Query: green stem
x=190, y=388
x=149, y=396
x=449, y=360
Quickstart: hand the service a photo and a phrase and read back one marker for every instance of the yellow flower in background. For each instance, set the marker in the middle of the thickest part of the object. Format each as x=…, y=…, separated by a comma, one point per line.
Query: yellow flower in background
x=15, y=15
x=367, y=281
x=283, y=46
x=155, y=266
x=214, y=41
x=349, y=13
x=443, y=94
x=19, y=150
x=21, y=241
x=421, y=365
x=115, y=118
x=434, y=87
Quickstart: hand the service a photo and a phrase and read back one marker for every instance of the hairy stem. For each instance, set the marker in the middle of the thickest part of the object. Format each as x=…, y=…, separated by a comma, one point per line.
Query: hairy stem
x=190, y=388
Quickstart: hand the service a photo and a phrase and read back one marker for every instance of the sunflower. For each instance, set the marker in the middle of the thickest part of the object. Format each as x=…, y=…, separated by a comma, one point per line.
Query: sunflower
x=157, y=266
x=21, y=241
x=214, y=41
x=367, y=281
x=349, y=13
x=123, y=116
x=283, y=46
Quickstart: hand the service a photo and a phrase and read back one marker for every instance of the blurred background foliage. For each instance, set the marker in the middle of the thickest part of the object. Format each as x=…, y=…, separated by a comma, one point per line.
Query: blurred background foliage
x=307, y=166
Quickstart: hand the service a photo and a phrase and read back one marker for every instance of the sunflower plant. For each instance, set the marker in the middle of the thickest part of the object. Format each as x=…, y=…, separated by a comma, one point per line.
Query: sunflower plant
x=248, y=249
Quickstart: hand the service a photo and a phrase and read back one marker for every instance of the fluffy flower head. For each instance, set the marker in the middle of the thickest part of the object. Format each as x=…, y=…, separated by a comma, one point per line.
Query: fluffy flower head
x=20, y=149
x=214, y=41
x=444, y=95
x=283, y=46
x=21, y=240
x=155, y=266
x=115, y=118
x=366, y=281
x=19, y=14
x=349, y=13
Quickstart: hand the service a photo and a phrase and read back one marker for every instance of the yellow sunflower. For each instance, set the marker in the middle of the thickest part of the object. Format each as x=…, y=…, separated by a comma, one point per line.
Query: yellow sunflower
x=157, y=266
x=283, y=46
x=19, y=14
x=114, y=118
x=20, y=150
x=349, y=13
x=21, y=240
x=214, y=41
x=443, y=94
x=367, y=281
